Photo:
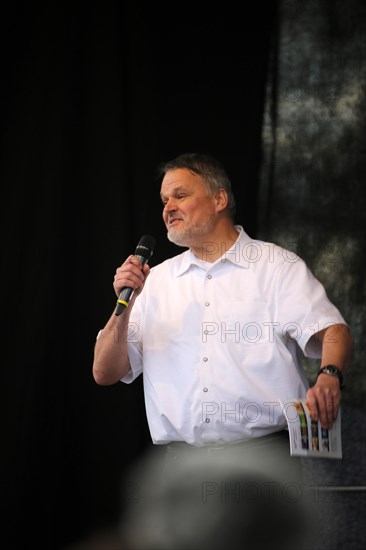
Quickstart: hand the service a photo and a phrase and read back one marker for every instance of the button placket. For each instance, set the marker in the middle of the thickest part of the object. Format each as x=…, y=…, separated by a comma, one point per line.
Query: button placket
x=205, y=358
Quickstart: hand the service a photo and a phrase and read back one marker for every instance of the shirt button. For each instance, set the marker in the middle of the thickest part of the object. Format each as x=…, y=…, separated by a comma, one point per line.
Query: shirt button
x=207, y=420
x=205, y=389
x=209, y=276
x=207, y=304
x=205, y=359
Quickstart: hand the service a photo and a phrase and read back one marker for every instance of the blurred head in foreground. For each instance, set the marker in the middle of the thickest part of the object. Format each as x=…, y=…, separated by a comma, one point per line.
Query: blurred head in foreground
x=213, y=504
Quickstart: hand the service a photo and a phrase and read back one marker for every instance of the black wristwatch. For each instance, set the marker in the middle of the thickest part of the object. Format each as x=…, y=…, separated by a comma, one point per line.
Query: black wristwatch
x=333, y=371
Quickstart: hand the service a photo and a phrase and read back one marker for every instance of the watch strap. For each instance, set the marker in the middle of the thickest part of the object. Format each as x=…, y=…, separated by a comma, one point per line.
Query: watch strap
x=333, y=371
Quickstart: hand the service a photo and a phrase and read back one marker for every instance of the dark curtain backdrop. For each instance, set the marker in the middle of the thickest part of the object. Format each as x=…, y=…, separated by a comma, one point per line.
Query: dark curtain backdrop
x=94, y=96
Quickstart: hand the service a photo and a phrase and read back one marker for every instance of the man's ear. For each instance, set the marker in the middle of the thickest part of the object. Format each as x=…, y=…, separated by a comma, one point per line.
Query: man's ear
x=221, y=199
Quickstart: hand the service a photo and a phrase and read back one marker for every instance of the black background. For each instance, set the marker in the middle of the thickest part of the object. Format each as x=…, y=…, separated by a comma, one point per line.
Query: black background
x=94, y=96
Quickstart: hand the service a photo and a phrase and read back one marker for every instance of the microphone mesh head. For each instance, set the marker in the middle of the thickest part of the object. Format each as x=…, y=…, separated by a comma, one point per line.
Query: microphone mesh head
x=145, y=246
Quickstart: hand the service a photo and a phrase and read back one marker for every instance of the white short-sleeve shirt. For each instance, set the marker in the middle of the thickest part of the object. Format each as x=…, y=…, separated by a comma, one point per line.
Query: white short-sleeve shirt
x=218, y=343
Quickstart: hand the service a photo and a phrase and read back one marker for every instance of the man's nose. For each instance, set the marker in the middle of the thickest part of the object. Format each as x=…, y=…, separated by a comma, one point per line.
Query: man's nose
x=170, y=205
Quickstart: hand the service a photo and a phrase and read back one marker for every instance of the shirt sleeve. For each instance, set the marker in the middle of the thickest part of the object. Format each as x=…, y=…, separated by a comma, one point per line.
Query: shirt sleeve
x=304, y=307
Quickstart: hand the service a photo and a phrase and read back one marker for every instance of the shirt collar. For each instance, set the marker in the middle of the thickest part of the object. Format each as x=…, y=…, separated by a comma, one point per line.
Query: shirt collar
x=237, y=254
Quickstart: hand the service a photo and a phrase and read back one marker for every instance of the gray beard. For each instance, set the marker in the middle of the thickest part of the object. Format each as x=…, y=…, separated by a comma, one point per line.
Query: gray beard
x=187, y=237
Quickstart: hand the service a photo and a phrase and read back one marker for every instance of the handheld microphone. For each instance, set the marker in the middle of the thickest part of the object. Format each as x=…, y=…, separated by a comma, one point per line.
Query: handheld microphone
x=143, y=252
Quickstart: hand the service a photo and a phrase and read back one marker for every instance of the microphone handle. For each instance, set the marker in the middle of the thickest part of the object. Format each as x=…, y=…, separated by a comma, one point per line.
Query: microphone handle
x=126, y=292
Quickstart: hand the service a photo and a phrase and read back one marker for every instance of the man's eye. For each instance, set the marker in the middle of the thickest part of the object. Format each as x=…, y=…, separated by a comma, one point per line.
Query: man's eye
x=181, y=196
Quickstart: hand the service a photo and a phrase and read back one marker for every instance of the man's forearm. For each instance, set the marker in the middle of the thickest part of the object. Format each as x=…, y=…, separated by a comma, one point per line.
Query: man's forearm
x=337, y=347
x=111, y=362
